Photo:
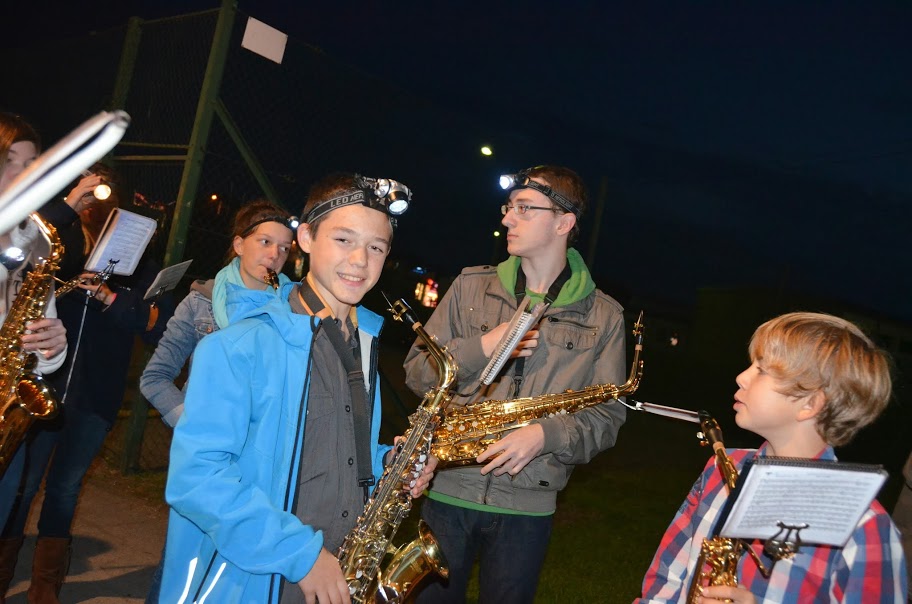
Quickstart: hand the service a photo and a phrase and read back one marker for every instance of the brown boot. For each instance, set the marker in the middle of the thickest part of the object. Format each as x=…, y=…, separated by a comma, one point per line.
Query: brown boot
x=9, y=554
x=49, y=569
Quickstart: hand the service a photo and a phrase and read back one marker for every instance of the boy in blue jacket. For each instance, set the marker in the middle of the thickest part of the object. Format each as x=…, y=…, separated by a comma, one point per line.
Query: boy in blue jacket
x=276, y=452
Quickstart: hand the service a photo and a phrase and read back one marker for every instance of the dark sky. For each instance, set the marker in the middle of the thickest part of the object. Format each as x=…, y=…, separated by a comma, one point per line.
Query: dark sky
x=785, y=92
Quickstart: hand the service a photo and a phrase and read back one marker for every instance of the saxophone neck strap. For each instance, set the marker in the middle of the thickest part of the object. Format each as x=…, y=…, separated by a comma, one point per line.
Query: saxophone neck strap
x=349, y=353
x=553, y=291
x=519, y=364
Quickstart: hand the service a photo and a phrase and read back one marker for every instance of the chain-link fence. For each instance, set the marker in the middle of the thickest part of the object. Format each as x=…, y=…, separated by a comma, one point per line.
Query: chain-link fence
x=300, y=120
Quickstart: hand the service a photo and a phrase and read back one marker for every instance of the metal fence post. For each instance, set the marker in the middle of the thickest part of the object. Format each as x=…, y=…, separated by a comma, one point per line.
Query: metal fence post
x=205, y=110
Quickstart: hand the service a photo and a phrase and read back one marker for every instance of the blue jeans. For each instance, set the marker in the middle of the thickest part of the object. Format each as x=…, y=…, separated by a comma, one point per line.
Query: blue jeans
x=9, y=484
x=69, y=442
x=511, y=550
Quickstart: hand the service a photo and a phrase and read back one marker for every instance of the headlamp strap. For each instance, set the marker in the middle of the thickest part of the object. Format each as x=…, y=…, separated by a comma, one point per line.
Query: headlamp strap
x=281, y=220
x=325, y=207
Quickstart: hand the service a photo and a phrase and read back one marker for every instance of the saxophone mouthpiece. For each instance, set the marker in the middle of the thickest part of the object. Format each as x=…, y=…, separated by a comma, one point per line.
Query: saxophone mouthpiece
x=638, y=331
x=400, y=310
x=272, y=279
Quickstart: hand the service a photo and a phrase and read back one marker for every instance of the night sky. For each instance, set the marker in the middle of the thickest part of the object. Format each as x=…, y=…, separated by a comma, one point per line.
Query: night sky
x=766, y=144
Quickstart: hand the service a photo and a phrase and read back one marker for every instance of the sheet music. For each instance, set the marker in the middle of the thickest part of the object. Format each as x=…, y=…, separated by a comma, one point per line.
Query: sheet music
x=167, y=279
x=519, y=326
x=828, y=496
x=124, y=238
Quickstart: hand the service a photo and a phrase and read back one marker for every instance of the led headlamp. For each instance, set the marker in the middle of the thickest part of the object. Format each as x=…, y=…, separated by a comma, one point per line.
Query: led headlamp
x=509, y=182
x=383, y=194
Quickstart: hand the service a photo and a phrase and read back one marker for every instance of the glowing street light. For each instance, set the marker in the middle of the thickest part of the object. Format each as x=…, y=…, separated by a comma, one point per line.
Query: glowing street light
x=497, y=233
x=487, y=151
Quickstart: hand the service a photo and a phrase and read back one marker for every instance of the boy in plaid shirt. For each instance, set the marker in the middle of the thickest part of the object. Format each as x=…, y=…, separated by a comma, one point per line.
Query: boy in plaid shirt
x=813, y=382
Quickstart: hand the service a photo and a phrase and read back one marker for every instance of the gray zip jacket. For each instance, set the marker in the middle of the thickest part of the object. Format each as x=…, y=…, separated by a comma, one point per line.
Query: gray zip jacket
x=580, y=345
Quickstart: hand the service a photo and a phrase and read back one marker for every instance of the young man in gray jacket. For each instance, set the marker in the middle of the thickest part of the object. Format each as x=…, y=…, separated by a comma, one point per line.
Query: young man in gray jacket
x=502, y=512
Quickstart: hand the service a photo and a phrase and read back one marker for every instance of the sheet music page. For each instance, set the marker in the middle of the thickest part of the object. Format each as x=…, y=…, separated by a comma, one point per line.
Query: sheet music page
x=124, y=238
x=167, y=279
x=828, y=496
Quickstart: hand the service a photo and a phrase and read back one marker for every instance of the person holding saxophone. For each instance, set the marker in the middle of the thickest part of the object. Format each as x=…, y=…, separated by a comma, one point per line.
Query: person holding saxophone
x=277, y=450
x=814, y=381
x=19, y=147
x=503, y=512
x=46, y=338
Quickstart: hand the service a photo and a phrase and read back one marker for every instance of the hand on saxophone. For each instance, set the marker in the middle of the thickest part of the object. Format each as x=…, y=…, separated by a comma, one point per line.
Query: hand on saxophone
x=325, y=582
x=45, y=336
x=417, y=484
x=514, y=451
x=98, y=290
x=724, y=593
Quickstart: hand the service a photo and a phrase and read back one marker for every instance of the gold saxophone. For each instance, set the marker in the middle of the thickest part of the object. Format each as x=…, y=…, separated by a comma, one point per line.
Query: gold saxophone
x=468, y=430
x=722, y=554
x=272, y=279
x=66, y=287
x=26, y=396
x=369, y=542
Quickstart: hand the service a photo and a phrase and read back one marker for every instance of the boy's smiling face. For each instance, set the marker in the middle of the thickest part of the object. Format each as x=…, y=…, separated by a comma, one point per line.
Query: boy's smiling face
x=347, y=254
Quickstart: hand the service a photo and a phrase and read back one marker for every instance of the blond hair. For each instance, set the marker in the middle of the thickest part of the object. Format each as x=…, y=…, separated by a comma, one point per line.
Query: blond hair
x=810, y=352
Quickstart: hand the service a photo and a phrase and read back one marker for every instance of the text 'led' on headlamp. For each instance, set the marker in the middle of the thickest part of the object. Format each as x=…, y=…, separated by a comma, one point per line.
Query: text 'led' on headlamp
x=522, y=180
x=383, y=194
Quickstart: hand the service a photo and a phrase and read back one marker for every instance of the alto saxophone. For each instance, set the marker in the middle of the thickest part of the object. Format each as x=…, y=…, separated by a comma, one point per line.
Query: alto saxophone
x=468, y=430
x=720, y=553
x=369, y=542
x=26, y=396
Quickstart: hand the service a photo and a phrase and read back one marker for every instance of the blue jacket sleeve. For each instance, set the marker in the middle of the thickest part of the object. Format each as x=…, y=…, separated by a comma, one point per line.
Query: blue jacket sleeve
x=220, y=480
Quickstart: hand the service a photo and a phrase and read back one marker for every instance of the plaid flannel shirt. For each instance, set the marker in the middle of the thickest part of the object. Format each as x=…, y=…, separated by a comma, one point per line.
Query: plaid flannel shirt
x=869, y=568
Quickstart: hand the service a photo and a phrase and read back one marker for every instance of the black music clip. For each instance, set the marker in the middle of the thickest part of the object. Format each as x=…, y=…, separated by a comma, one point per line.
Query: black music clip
x=781, y=546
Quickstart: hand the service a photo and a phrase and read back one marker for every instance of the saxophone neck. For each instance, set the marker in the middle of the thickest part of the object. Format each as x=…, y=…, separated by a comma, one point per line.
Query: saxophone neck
x=712, y=435
x=446, y=365
x=636, y=367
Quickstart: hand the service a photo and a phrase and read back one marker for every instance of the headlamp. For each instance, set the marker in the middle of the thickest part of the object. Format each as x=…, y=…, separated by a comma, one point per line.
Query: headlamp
x=522, y=180
x=102, y=191
x=383, y=194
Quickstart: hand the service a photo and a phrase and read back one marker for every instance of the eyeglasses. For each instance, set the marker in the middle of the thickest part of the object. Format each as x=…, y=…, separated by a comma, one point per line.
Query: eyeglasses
x=521, y=208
